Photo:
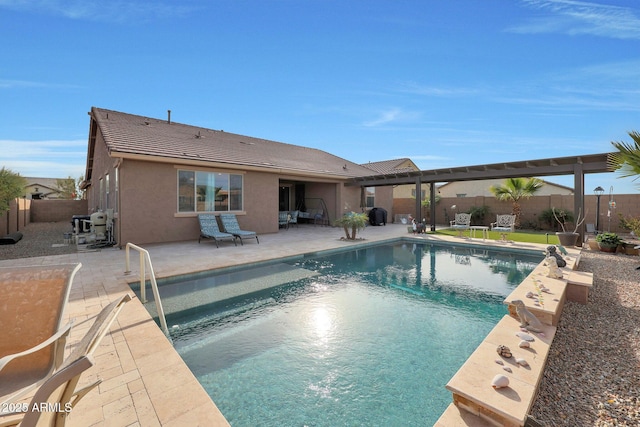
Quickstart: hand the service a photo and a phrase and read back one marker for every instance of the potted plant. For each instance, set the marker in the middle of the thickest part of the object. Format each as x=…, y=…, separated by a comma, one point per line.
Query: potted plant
x=567, y=238
x=352, y=222
x=608, y=242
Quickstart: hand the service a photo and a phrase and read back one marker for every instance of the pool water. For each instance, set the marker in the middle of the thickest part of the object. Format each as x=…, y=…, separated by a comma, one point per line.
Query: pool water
x=367, y=338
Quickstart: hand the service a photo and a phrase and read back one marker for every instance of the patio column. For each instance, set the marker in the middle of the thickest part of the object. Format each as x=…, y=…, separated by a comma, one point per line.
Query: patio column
x=578, y=198
x=418, y=215
x=432, y=205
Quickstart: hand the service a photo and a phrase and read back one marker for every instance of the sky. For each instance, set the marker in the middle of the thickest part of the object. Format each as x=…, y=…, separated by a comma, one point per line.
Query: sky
x=444, y=83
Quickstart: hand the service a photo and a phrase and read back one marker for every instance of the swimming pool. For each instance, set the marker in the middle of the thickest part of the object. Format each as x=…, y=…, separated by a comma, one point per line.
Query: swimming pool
x=366, y=337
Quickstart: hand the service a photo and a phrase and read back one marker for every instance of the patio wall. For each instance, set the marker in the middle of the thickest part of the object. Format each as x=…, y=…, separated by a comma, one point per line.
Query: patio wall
x=16, y=217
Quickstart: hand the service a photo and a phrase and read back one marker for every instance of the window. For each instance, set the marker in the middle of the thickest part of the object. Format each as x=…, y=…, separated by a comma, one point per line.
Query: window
x=115, y=189
x=106, y=192
x=423, y=193
x=371, y=196
x=460, y=195
x=100, y=195
x=209, y=191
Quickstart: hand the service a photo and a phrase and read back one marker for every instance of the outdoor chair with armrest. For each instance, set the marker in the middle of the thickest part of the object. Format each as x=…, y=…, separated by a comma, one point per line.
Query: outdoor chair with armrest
x=461, y=222
x=59, y=390
x=504, y=224
x=33, y=300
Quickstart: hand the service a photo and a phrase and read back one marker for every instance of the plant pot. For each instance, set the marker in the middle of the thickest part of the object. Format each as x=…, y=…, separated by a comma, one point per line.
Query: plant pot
x=605, y=247
x=568, y=239
x=593, y=245
x=629, y=249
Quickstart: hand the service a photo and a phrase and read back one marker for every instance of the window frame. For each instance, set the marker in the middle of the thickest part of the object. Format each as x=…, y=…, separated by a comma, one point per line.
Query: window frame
x=234, y=195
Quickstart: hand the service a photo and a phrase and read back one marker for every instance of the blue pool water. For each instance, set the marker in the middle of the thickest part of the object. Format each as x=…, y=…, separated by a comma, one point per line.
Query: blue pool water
x=365, y=338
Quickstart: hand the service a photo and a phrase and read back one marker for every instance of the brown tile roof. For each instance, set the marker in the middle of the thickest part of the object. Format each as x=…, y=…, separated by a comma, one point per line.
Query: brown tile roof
x=128, y=134
x=392, y=166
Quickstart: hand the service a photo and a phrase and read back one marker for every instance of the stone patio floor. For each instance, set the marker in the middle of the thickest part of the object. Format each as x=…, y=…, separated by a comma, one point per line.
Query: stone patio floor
x=144, y=380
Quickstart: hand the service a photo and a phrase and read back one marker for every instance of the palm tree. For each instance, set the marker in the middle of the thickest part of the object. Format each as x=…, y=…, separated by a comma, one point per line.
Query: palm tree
x=515, y=189
x=627, y=159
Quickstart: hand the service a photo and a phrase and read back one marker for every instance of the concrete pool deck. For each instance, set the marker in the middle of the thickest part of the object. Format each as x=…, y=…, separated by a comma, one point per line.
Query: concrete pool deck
x=144, y=380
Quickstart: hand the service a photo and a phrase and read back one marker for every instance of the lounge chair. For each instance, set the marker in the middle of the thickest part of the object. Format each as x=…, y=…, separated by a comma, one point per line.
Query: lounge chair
x=59, y=390
x=209, y=230
x=230, y=224
x=504, y=224
x=33, y=340
x=461, y=222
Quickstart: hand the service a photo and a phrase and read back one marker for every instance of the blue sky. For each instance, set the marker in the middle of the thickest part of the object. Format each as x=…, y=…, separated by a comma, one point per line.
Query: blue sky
x=445, y=83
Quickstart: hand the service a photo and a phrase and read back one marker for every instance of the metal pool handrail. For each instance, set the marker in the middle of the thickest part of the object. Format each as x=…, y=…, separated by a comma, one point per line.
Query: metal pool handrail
x=144, y=255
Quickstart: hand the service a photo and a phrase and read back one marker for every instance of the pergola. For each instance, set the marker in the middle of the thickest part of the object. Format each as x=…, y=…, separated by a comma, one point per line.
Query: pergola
x=577, y=166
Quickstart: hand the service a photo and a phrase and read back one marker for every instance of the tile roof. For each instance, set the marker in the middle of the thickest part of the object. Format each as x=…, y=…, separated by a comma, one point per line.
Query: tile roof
x=128, y=134
x=392, y=166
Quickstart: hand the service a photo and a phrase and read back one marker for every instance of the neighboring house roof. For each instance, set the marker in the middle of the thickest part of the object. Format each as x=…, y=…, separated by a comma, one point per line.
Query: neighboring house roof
x=392, y=166
x=128, y=135
x=480, y=188
x=47, y=187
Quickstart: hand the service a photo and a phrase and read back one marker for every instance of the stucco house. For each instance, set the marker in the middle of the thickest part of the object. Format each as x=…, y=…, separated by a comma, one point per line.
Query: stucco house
x=154, y=176
x=481, y=188
x=43, y=188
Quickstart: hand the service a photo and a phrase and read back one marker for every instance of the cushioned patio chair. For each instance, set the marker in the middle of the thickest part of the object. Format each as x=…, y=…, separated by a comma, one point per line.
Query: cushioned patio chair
x=209, y=230
x=283, y=219
x=461, y=222
x=33, y=300
x=230, y=224
x=60, y=388
x=293, y=218
x=504, y=224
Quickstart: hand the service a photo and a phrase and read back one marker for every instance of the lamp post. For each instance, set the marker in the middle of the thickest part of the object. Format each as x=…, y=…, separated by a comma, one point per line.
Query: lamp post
x=598, y=191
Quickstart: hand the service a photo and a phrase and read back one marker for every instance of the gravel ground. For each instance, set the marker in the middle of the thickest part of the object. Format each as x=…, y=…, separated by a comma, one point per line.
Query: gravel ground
x=592, y=376
x=40, y=239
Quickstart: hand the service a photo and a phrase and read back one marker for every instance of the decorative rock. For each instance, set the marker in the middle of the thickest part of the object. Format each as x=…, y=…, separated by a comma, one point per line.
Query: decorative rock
x=524, y=344
x=506, y=368
x=499, y=362
x=500, y=381
x=554, y=271
x=530, y=295
x=525, y=336
x=528, y=320
x=520, y=361
x=504, y=351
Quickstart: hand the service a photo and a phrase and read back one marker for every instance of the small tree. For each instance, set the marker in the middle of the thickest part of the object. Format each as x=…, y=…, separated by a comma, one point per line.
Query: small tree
x=11, y=187
x=67, y=188
x=352, y=221
x=515, y=189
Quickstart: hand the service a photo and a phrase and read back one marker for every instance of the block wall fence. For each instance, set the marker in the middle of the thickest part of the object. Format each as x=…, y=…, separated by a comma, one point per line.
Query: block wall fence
x=625, y=204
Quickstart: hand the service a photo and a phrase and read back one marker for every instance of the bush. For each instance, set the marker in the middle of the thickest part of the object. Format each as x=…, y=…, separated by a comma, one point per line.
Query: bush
x=546, y=217
x=478, y=214
x=630, y=223
x=609, y=239
x=352, y=222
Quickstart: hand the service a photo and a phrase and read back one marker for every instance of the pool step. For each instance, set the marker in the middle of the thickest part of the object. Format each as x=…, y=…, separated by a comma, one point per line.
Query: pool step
x=177, y=297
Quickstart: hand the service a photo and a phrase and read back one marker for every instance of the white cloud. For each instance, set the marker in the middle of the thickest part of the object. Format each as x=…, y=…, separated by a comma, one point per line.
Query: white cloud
x=111, y=11
x=391, y=116
x=580, y=17
x=46, y=159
